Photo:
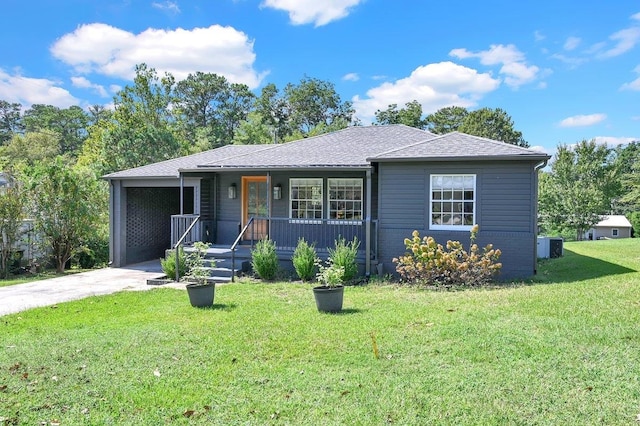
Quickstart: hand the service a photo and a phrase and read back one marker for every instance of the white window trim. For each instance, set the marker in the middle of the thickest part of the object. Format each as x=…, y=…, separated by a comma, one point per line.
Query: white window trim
x=328, y=212
x=475, y=204
x=615, y=232
x=302, y=219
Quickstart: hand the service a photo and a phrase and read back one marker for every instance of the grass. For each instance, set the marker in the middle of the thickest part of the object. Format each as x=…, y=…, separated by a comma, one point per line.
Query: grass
x=564, y=349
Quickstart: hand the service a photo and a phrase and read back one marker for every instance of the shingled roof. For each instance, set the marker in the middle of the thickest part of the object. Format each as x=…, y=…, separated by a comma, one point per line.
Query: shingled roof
x=353, y=147
x=461, y=147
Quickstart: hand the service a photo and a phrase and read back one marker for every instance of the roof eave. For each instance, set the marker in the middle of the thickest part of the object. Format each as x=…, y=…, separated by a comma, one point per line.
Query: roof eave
x=464, y=158
x=229, y=169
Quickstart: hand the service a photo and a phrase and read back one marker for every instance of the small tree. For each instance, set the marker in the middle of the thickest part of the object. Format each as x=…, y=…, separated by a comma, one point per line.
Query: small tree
x=66, y=203
x=11, y=214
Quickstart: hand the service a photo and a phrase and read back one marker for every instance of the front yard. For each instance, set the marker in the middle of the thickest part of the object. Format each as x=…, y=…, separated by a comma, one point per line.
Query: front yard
x=562, y=350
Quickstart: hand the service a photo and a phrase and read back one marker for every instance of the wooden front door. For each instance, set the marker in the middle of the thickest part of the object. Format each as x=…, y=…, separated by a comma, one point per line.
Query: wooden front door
x=255, y=202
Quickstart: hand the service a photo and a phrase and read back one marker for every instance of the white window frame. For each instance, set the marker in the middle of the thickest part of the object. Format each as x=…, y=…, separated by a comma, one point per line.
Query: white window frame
x=615, y=232
x=310, y=181
x=345, y=182
x=462, y=226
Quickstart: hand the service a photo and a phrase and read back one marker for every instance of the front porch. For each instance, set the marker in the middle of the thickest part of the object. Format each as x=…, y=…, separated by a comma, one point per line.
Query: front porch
x=285, y=233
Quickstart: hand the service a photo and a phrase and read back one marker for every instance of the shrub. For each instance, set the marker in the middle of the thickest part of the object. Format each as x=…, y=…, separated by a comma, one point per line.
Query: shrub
x=168, y=264
x=305, y=260
x=429, y=263
x=344, y=256
x=264, y=259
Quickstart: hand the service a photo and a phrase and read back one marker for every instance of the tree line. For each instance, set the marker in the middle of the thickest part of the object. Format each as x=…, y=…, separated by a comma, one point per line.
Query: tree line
x=55, y=157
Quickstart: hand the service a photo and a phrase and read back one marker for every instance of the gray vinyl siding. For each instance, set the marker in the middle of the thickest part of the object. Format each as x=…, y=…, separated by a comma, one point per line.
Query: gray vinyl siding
x=505, y=209
x=229, y=211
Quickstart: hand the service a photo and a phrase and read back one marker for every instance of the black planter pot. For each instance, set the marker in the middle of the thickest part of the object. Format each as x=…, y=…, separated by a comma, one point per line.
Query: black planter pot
x=201, y=295
x=329, y=299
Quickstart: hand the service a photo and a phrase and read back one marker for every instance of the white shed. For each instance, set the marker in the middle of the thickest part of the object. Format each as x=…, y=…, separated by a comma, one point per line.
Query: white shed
x=614, y=226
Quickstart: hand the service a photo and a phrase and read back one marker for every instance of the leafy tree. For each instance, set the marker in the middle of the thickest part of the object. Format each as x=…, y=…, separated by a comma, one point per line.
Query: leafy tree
x=627, y=163
x=253, y=131
x=410, y=115
x=273, y=110
x=98, y=113
x=140, y=130
x=29, y=149
x=446, y=120
x=10, y=121
x=12, y=207
x=579, y=188
x=66, y=202
x=70, y=124
x=315, y=102
x=493, y=124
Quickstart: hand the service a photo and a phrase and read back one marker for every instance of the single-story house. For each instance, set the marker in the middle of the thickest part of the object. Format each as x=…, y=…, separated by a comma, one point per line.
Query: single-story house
x=612, y=226
x=377, y=183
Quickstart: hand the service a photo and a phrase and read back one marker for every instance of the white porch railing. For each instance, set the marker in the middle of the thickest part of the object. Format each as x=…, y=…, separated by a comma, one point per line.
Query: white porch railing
x=179, y=225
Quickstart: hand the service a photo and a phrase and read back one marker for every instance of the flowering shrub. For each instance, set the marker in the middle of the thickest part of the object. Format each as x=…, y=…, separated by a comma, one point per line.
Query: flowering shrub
x=429, y=263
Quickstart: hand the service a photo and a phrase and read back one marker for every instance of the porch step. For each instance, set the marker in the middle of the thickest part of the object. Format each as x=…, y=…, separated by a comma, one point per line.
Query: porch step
x=218, y=262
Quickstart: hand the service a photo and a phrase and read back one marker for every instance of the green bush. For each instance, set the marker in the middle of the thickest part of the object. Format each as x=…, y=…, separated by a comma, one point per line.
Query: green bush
x=264, y=259
x=168, y=264
x=305, y=260
x=429, y=263
x=344, y=256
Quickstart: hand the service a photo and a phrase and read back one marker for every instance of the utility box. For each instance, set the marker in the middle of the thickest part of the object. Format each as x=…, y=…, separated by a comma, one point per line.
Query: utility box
x=549, y=247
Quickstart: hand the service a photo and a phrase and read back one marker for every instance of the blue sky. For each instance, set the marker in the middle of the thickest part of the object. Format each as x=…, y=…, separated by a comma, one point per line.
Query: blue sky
x=564, y=70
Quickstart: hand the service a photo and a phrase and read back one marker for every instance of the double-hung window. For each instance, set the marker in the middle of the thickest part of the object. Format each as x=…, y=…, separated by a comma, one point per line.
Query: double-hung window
x=345, y=199
x=306, y=198
x=453, y=201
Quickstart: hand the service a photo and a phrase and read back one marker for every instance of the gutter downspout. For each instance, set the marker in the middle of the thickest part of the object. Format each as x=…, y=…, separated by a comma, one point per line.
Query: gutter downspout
x=536, y=169
x=367, y=250
x=181, y=194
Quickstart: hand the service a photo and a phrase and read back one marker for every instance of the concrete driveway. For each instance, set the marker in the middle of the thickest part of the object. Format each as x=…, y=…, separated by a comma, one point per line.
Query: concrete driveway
x=48, y=292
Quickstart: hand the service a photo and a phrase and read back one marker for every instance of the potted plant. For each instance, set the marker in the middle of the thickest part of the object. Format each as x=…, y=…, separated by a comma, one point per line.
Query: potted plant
x=330, y=294
x=341, y=267
x=200, y=290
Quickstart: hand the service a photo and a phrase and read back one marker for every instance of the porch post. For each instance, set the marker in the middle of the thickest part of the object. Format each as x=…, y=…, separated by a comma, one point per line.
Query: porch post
x=269, y=204
x=367, y=244
x=181, y=194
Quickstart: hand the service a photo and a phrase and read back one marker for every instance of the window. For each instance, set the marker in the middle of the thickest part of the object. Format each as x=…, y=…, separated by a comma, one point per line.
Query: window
x=614, y=232
x=345, y=199
x=306, y=198
x=453, y=201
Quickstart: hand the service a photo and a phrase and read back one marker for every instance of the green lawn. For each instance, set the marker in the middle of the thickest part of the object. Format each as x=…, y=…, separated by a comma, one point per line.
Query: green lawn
x=564, y=349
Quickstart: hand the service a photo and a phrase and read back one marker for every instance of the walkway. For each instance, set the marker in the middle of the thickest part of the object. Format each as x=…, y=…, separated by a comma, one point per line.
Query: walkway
x=48, y=292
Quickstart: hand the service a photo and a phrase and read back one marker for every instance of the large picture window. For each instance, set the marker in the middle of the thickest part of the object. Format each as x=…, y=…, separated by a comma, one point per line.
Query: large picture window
x=453, y=201
x=306, y=198
x=345, y=199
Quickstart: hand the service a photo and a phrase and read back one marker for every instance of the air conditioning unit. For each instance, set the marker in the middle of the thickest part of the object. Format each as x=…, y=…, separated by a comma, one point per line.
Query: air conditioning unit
x=549, y=247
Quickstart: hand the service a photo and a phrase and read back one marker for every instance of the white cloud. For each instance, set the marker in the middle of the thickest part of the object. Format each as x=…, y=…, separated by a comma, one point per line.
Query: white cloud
x=83, y=83
x=167, y=6
x=583, y=120
x=110, y=51
x=636, y=17
x=625, y=40
x=352, y=76
x=614, y=141
x=538, y=36
x=514, y=66
x=313, y=11
x=635, y=84
x=114, y=88
x=434, y=85
x=29, y=91
x=572, y=43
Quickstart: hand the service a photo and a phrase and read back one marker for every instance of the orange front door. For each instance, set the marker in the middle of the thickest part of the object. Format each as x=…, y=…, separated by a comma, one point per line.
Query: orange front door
x=255, y=202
